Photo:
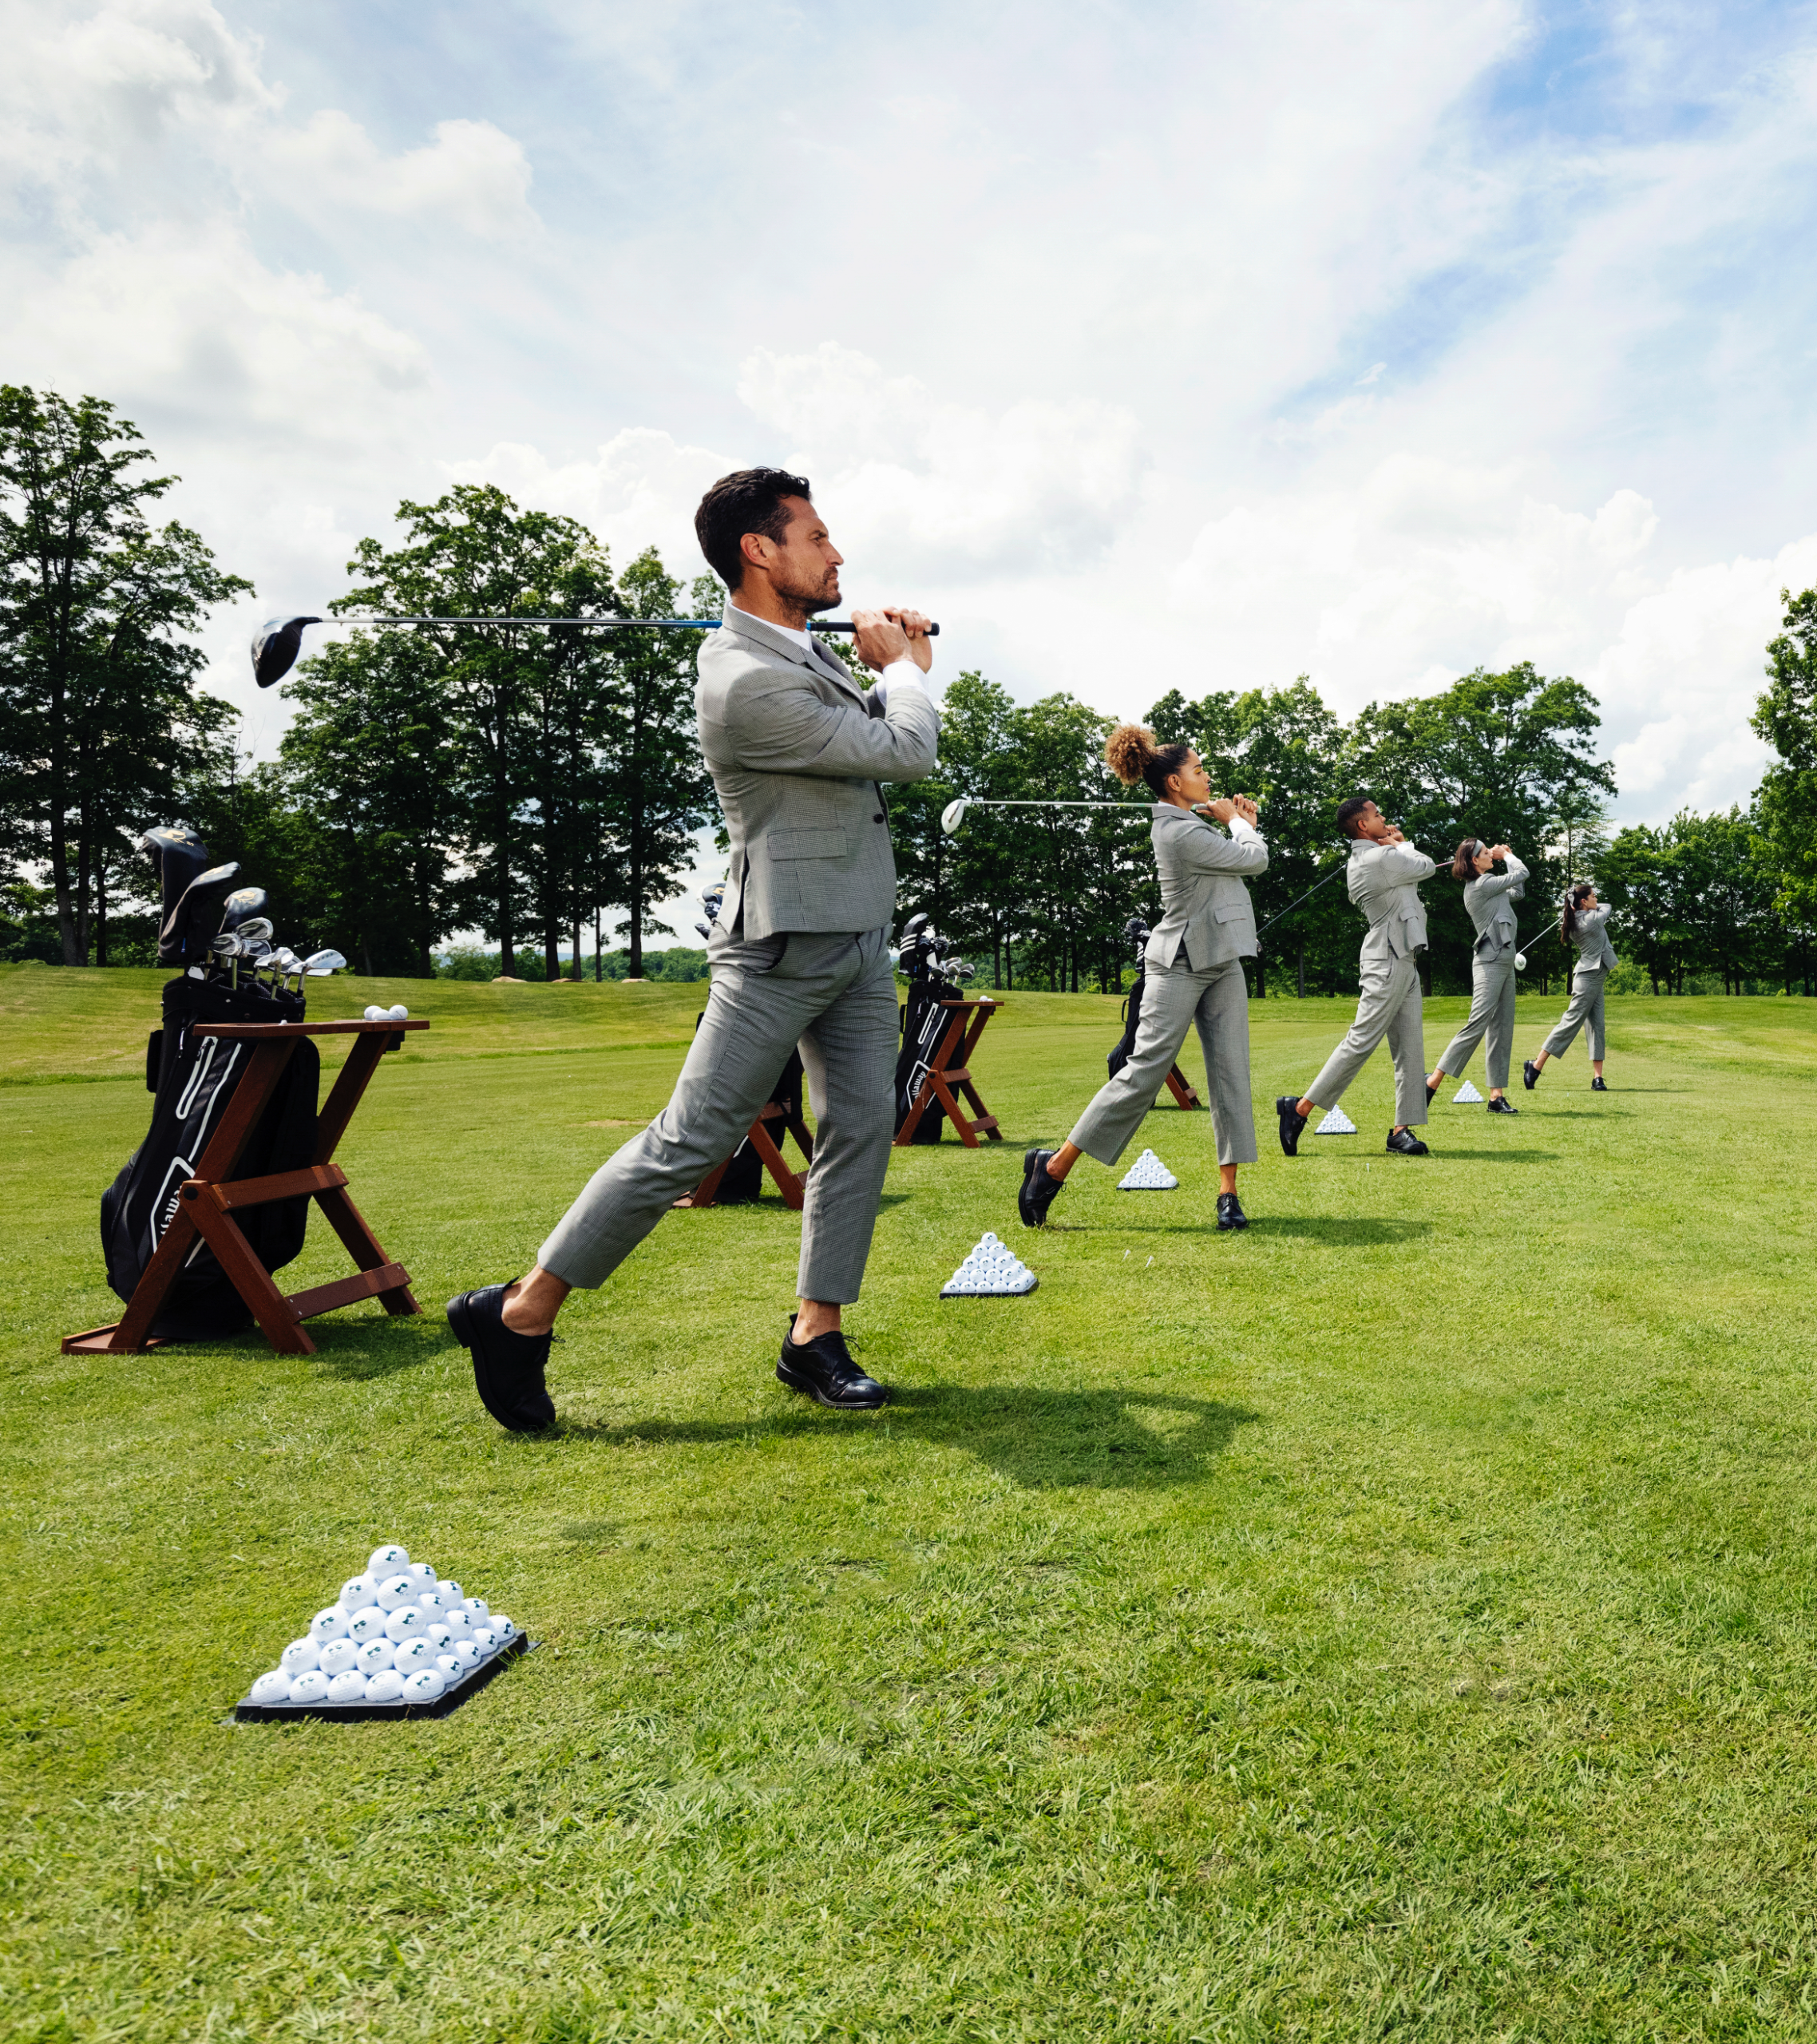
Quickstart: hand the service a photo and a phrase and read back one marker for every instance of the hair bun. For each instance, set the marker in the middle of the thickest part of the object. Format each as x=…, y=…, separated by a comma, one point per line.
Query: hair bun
x=1128, y=751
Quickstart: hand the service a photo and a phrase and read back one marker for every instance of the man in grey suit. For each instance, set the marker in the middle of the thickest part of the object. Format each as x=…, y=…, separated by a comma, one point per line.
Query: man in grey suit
x=800, y=949
x=1383, y=881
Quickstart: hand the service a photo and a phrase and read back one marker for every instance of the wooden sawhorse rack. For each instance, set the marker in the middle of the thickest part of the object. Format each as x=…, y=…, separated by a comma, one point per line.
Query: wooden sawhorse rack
x=792, y=1185
x=950, y=1075
x=207, y=1202
x=1181, y=1089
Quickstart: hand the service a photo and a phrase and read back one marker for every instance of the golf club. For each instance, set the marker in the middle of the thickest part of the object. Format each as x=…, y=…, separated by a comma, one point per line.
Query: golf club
x=180, y=854
x=254, y=926
x=319, y=964
x=275, y=648
x=242, y=907
x=953, y=815
x=185, y=936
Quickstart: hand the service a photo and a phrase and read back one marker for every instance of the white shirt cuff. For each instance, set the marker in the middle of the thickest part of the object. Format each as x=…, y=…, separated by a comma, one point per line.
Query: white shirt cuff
x=897, y=672
x=1241, y=827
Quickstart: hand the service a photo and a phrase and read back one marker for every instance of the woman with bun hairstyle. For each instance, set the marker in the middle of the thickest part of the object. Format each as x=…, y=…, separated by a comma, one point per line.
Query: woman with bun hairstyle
x=1585, y=923
x=1490, y=898
x=1194, y=974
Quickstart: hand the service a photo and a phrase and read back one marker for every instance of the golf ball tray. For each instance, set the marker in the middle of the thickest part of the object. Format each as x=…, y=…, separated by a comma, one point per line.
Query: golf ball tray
x=398, y=1642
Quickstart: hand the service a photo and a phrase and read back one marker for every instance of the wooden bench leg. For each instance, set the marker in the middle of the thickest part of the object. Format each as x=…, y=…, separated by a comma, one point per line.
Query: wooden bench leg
x=363, y=1245
x=248, y=1276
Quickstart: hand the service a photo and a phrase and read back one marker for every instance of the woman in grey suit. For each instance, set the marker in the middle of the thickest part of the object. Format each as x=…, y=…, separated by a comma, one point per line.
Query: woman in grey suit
x=1193, y=974
x=1585, y=923
x=1490, y=898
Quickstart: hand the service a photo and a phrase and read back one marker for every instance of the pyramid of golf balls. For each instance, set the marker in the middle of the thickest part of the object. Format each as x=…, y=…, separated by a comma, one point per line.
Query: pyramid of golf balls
x=991, y=1271
x=398, y=1633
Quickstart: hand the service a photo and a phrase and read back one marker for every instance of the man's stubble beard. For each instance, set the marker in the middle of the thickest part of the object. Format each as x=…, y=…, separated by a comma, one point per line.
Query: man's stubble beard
x=811, y=600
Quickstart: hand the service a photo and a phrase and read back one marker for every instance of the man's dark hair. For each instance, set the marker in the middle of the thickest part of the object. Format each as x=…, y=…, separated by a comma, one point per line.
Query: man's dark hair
x=747, y=500
x=1348, y=813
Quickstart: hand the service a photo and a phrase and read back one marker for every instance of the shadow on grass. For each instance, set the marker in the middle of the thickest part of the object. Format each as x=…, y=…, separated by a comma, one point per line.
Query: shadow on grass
x=1041, y=1438
x=356, y=1350
x=1498, y=1156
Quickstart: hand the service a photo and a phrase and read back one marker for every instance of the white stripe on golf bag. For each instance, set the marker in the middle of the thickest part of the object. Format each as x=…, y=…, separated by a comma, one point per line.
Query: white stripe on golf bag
x=163, y=1209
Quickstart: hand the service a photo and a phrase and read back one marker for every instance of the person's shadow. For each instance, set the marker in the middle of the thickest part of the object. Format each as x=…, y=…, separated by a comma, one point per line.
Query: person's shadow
x=1041, y=1438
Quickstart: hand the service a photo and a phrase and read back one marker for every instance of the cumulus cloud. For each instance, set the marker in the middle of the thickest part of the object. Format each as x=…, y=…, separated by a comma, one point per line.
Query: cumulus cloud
x=473, y=173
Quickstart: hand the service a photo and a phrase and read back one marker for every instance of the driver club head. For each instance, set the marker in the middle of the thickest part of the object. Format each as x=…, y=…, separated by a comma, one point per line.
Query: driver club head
x=275, y=648
x=242, y=906
x=954, y=814
x=189, y=929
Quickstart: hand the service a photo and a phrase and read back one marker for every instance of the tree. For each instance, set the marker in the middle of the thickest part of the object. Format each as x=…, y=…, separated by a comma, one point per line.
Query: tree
x=1786, y=717
x=99, y=722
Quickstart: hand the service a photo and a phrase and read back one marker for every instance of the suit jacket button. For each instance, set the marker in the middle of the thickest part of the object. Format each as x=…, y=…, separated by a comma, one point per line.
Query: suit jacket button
x=878, y=818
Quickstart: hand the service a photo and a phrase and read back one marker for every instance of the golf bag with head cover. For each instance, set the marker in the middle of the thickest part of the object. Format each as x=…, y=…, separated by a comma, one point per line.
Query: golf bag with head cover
x=193, y=1078
x=1136, y=931
x=924, y=1024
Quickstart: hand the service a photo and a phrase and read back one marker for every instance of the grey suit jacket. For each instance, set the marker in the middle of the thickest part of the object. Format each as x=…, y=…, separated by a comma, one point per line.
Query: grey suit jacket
x=1205, y=909
x=1491, y=899
x=797, y=750
x=1383, y=882
x=1595, y=952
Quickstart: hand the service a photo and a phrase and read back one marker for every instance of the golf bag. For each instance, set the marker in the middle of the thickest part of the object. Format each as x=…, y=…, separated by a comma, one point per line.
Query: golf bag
x=1118, y=1055
x=744, y=1174
x=924, y=1024
x=194, y=1078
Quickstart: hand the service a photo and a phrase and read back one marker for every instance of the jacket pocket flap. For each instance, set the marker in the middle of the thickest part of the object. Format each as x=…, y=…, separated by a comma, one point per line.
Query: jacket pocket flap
x=1228, y=912
x=827, y=844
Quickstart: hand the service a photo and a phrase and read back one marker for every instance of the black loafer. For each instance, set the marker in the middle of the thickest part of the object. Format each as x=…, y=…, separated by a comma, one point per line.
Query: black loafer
x=1229, y=1214
x=1287, y=1112
x=1038, y=1191
x=1405, y=1143
x=1503, y=1105
x=508, y=1368
x=823, y=1368
x=1596, y=1086
x=1530, y=1074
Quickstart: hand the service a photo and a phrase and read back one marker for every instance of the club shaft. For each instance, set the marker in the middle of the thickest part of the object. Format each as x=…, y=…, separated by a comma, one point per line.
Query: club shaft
x=604, y=623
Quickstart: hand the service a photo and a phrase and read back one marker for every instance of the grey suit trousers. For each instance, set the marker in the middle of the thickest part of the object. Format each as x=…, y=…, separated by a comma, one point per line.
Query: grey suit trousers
x=1491, y=1012
x=1584, y=1012
x=1173, y=997
x=1388, y=1005
x=836, y=997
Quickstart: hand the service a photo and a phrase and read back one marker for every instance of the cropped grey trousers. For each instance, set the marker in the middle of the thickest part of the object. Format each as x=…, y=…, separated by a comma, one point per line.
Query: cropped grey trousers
x=1173, y=997
x=1584, y=1012
x=1387, y=1004
x=1491, y=1014
x=836, y=997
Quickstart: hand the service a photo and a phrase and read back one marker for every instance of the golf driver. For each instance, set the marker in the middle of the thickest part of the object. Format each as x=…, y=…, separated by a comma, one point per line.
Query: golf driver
x=188, y=929
x=242, y=907
x=275, y=648
x=953, y=815
x=180, y=854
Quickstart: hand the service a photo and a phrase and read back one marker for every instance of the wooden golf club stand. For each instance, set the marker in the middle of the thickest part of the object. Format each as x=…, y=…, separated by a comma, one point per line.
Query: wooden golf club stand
x=207, y=1202
x=949, y=1074
x=1181, y=1089
x=792, y=1185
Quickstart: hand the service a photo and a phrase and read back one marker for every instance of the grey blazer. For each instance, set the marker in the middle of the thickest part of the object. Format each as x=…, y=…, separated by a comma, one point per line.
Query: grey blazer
x=1205, y=907
x=797, y=750
x=1595, y=952
x=1491, y=899
x=1384, y=883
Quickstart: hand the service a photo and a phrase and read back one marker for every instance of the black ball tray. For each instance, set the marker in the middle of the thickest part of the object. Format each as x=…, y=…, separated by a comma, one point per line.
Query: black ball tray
x=246, y=1712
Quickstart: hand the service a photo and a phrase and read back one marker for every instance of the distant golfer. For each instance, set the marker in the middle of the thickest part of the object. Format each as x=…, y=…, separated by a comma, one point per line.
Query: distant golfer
x=1383, y=881
x=1192, y=973
x=1585, y=923
x=799, y=951
x=1489, y=897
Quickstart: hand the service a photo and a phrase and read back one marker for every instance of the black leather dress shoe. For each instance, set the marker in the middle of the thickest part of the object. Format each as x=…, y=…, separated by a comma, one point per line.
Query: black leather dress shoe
x=508, y=1368
x=1229, y=1214
x=1530, y=1074
x=1501, y=1104
x=1596, y=1086
x=823, y=1368
x=1405, y=1143
x=1038, y=1191
x=1287, y=1112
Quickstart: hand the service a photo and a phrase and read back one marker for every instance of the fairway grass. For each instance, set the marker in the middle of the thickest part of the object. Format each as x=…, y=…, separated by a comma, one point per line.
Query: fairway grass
x=1399, y=1620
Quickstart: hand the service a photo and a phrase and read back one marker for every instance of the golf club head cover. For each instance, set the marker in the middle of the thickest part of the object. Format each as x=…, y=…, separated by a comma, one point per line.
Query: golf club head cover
x=181, y=855
x=189, y=929
x=241, y=904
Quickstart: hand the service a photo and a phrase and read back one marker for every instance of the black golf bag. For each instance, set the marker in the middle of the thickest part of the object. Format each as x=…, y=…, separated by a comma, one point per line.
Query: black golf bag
x=924, y=1024
x=194, y=1078
x=1118, y=1055
x=744, y=1173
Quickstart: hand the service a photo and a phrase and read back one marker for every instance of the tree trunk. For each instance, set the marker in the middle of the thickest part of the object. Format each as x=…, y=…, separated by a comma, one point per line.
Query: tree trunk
x=634, y=964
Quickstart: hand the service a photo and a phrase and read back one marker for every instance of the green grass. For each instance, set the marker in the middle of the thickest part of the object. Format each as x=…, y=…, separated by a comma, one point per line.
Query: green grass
x=1399, y=1620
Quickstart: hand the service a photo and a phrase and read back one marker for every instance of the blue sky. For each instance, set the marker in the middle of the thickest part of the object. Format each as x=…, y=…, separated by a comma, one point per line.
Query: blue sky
x=1147, y=346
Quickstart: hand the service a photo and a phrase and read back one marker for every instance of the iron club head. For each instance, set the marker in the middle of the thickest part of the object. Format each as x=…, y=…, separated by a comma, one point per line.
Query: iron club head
x=275, y=649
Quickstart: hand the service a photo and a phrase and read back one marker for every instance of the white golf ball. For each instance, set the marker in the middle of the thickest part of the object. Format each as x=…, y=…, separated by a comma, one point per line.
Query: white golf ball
x=374, y=1013
x=357, y=1592
x=464, y=1651
x=328, y=1625
x=405, y=1621
x=272, y=1688
x=375, y=1656
x=385, y=1687
x=502, y=1625
x=431, y=1606
x=369, y=1624
x=417, y=1651
x=311, y=1687
x=396, y=1589
x=477, y=1609
x=459, y=1625
x=486, y=1642
x=339, y=1656
x=451, y=1667
x=438, y=1636
x=348, y=1687
x=424, y=1684
x=399, y=1013
x=299, y=1657
x=451, y=1593
x=387, y=1561
x=422, y=1575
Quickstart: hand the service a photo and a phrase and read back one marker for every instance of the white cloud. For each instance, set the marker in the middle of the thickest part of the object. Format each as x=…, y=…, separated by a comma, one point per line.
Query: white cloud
x=473, y=173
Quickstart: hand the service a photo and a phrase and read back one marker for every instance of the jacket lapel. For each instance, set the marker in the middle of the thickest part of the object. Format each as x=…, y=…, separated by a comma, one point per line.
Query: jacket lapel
x=816, y=660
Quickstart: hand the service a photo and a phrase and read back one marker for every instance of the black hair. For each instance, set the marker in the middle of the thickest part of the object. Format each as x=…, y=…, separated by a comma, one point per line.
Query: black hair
x=1574, y=901
x=1133, y=756
x=1348, y=813
x=747, y=500
x=1463, y=859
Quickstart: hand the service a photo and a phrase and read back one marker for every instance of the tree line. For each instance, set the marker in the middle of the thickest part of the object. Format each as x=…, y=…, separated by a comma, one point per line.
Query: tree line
x=539, y=784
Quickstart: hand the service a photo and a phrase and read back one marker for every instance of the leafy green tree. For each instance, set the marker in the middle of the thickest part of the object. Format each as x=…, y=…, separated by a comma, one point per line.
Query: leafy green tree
x=99, y=719
x=1786, y=717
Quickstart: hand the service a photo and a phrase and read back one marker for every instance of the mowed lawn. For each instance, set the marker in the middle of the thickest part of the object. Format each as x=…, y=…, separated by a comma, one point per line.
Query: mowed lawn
x=1400, y=1619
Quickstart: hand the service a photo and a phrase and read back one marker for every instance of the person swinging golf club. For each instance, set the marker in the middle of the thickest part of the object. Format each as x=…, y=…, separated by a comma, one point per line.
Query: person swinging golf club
x=1585, y=923
x=1193, y=966
x=1489, y=898
x=1383, y=879
x=799, y=949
